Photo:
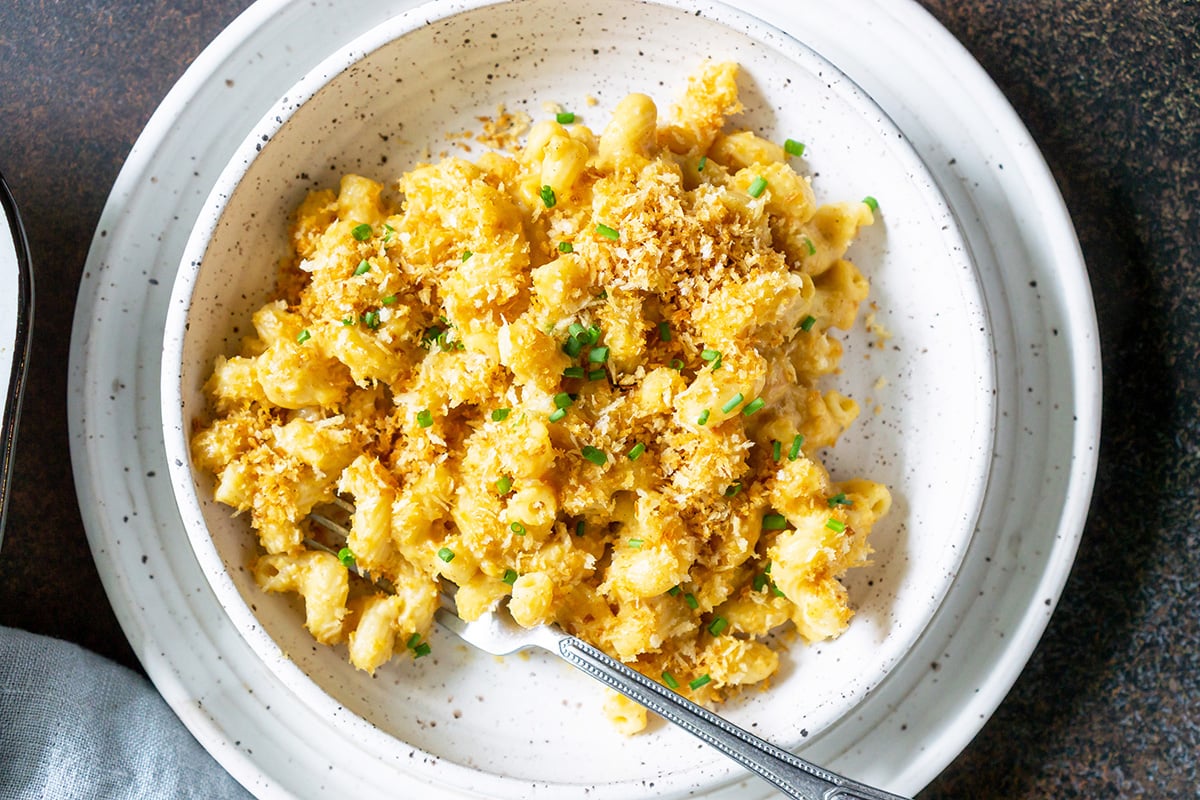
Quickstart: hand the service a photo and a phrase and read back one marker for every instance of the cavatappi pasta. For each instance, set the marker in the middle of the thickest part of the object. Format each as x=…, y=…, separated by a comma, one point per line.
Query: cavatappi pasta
x=580, y=378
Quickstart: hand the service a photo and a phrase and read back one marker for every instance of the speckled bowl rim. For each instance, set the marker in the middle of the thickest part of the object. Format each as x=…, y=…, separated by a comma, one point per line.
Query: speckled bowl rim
x=178, y=456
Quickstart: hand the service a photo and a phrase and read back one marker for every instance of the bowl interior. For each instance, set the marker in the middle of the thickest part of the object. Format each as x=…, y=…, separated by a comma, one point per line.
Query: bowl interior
x=386, y=103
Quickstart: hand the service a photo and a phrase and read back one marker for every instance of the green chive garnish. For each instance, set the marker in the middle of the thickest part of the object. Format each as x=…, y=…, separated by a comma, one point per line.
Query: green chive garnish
x=558, y=414
x=703, y=418
x=733, y=489
x=664, y=332
x=797, y=443
x=774, y=522
x=566, y=247
x=760, y=582
x=371, y=319
x=669, y=681
x=840, y=499
x=501, y=414
x=812, y=248
x=580, y=528
x=446, y=554
x=388, y=230
x=363, y=267
x=576, y=329
x=597, y=375
x=562, y=400
x=346, y=557
x=564, y=117
x=793, y=148
x=423, y=649
x=835, y=525
x=709, y=355
x=598, y=355
x=607, y=232
x=754, y=405
x=574, y=372
x=691, y=600
x=387, y=301
x=517, y=528
x=776, y=449
x=732, y=403
x=718, y=624
x=636, y=544
x=572, y=347
x=504, y=484
x=361, y=232
x=674, y=590
x=757, y=187
x=304, y=336
x=594, y=455
x=547, y=195
x=425, y=418
x=636, y=451
x=871, y=202
x=510, y=576
x=700, y=164
x=698, y=682
x=413, y=641
x=807, y=323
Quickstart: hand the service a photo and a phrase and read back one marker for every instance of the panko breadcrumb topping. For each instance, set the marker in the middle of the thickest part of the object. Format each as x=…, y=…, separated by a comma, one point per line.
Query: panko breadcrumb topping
x=580, y=376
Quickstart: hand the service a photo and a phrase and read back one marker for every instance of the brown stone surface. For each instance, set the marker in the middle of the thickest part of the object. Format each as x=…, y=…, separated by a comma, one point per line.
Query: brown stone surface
x=1111, y=92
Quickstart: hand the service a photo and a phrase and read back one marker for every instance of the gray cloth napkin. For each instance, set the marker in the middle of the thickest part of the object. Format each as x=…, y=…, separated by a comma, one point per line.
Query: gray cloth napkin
x=75, y=725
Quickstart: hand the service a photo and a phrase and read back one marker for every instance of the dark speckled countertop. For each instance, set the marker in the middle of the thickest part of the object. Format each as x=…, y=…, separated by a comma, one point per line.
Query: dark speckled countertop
x=1109, y=704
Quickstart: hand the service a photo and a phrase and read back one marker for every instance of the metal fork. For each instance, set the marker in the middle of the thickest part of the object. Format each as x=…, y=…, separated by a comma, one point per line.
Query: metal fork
x=497, y=633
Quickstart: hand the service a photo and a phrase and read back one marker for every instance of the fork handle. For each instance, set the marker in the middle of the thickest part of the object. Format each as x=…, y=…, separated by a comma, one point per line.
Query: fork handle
x=794, y=776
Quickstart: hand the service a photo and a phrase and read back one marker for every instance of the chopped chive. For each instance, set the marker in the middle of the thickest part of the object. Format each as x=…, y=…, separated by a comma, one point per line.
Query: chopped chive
x=557, y=414
x=674, y=590
x=413, y=641
x=636, y=451
x=754, y=406
x=304, y=336
x=664, y=331
x=776, y=449
x=517, y=528
x=669, y=680
x=591, y=335
x=566, y=247
x=446, y=554
x=835, y=525
x=363, y=268
x=574, y=372
x=423, y=649
x=562, y=400
x=425, y=418
x=797, y=443
x=504, y=485
x=676, y=365
x=548, y=198
x=718, y=624
x=580, y=528
x=510, y=576
x=775, y=590
x=733, y=489
x=598, y=355
x=698, y=682
x=812, y=248
x=388, y=230
x=636, y=544
x=709, y=355
x=603, y=294
x=346, y=556
x=389, y=300
x=572, y=347
x=701, y=163
x=760, y=582
x=840, y=499
x=703, y=418
x=564, y=117
x=594, y=455
x=597, y=375
x=691, y=600
x=607, y=232
x=732, y=403
x=767, y=568
x=576, y=329
x=871, y=202
x=361, y=232
x=371, y=319
x=774, y=522
x=793, y=148
x=807, y=323
x=500, y=414
x=348, y=321
x=757, y=187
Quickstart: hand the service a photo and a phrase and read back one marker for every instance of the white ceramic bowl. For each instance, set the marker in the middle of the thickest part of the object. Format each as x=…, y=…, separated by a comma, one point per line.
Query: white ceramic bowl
x=529, y=726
